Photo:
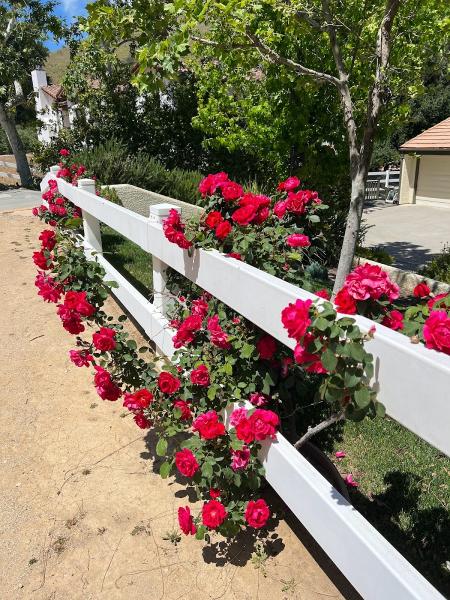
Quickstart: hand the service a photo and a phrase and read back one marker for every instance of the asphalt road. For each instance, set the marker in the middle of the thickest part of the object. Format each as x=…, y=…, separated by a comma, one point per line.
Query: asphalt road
x=19, y=198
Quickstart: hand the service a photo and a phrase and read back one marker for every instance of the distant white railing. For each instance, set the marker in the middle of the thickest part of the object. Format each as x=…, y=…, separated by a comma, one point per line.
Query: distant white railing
x=413, y=383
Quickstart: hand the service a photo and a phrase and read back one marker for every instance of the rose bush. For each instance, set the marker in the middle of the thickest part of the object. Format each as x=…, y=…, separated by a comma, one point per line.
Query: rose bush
x=223, y=359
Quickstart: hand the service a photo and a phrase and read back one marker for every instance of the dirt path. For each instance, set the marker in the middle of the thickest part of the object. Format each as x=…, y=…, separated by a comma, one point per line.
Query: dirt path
x=83, y=515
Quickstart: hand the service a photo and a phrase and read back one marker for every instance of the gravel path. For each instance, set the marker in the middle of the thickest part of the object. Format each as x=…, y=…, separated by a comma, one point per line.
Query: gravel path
x=83, y=514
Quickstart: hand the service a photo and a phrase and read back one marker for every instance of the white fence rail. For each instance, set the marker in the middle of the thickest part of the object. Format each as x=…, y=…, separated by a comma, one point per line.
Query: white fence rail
x=413, y=383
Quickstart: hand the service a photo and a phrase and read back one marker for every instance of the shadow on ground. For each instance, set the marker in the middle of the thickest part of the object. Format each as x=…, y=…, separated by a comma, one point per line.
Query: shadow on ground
x=407, y=255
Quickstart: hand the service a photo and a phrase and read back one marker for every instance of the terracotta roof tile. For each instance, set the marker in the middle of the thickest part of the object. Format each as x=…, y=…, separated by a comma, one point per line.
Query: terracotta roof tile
x=54, y=91
x=436, y=138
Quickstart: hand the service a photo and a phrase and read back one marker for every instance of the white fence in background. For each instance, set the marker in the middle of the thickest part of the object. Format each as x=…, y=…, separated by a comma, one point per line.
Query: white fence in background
x=413, y=383
x=378, y=183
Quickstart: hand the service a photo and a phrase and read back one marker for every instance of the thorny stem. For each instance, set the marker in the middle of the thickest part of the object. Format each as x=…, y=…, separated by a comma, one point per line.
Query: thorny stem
x=320, y=427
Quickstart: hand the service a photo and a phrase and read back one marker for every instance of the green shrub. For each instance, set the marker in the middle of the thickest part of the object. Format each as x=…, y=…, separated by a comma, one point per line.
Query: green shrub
x=375, y=254
x=439, y=267
x=28, y=135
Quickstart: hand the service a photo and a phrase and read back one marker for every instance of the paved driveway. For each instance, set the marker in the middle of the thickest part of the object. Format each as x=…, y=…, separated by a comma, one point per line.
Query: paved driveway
x=19, y=198
x=412, y=234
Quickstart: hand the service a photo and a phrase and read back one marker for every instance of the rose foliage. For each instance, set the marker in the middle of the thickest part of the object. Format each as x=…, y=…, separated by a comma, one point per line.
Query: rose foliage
x=230, y=386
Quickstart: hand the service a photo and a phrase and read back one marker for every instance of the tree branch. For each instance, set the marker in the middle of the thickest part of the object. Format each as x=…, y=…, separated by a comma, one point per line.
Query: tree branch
x=270, y=54
x=207, y=42
x=320, y=427
x=382, y=54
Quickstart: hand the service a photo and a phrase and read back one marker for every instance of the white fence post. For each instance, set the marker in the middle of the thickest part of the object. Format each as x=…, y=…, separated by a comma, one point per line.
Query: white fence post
x=158, y=212
x=91, y=225
x=54, y=169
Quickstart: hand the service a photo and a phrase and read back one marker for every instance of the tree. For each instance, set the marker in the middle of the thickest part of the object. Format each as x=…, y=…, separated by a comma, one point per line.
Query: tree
x=366, y=51
x=24, y=27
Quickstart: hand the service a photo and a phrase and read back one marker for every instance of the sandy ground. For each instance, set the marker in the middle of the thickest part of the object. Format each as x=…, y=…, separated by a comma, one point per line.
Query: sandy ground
x=83, y=514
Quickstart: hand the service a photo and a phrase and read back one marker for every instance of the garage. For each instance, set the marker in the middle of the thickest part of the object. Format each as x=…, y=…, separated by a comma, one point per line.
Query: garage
x=425, y=171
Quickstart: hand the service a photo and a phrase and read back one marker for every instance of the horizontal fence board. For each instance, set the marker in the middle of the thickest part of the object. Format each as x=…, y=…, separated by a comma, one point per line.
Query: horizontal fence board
x=261, y=297
x=370, y=563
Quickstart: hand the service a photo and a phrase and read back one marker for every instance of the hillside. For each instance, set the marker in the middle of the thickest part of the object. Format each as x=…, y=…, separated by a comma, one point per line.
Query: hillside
x=56, y=64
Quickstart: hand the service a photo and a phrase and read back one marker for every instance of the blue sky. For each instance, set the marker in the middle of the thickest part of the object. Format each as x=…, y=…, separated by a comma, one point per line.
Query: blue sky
x=67, y=10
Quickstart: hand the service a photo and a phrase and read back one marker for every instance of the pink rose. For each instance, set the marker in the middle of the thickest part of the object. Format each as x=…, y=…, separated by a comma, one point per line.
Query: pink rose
x=258, y=399
x=186, y=462
x=240, y=458
x=298, y=240
x=436, y=331
x=237, y=416
x=370, y=281
x=289, y=184
x=81, y=358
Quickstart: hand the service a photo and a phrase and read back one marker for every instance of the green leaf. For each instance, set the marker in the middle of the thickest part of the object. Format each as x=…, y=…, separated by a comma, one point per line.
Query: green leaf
x=247, y=350
x=329, y=360
x=207, y=470
x=161, y=447
x=362, y=397
x=164, y=469
x=200, y=534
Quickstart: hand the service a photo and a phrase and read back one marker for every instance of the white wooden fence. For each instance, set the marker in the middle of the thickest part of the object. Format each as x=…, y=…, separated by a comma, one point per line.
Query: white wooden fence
x=413, y=383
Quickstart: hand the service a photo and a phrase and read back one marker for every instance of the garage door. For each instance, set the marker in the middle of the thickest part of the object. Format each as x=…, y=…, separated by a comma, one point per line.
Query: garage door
x=433, y=185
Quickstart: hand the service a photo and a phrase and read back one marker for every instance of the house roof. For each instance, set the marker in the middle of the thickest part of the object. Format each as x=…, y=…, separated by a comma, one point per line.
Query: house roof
x=54, y=91
x=436, y=139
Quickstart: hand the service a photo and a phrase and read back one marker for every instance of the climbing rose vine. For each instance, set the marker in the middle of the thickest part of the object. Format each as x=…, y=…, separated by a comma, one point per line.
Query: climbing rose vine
x=231, y=387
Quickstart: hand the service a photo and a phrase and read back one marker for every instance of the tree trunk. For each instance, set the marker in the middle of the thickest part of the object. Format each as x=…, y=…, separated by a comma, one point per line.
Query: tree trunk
x=353, y=224
x=9, y=127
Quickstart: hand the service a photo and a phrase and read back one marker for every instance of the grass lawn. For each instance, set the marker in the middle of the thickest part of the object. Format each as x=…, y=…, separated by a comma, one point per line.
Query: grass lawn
x=404, y=483
x=129, y=259
x=404, y=491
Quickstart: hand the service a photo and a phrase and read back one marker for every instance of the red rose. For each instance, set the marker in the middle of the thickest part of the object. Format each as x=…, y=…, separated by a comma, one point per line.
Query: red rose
x=64, y=152
x=218, y=336
x=258, y=399
x=142, y=421
x=48, y=239
x=186, y=521
x=345, y=303
x=223, y=230
x=244, y=431
x=105, y=386
x=214, y=493
x=231, y=190
x=71, y=319
x=257, y=513
x=213, y=219
x=298, y=240
x=393, y=320
x=280, y=208
x=235, y=255
x=199, y=308
x=421, y=290
x=105, y=339
x=295, y=318
x=244, y=216
x=185, y=409
x=77, y=301
x=186, y=330
x=41, y=261
x=208, y=425
x=186, y=463
x=266, y=346
x=139, y=400
x=213, y=514
x=289, y=184
x=209, y=184
x=264, y=423
x=81, y=358
x=436, y=331
x=167, y=383
x=325, y=294
x=200, y=376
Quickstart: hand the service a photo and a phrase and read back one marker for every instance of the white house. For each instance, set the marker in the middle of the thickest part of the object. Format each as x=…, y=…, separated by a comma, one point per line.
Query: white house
x=425, y=172
x=52, y=107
